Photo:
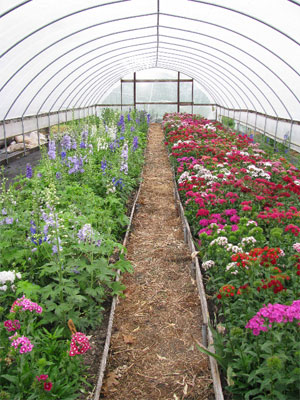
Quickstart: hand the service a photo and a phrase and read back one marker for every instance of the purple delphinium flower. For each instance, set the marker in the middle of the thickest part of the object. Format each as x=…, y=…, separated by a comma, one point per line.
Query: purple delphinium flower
x=118, y=182
x=58, y=175
x=28, y=171
x=85, y=233
x=124, y=156
x=103, y=166
x=135, y=143
x=84, y=135
x=63, y=155
x=137, y=121
x=132, y=129
x=66, y=142
x=124, y=153
x=77, y=164
x=74, y=144
x=52, y=150
x=121, y=121
x=128, y=117
x=9, y=220
x=82, y=145
x=4, y=212
x=148, y=118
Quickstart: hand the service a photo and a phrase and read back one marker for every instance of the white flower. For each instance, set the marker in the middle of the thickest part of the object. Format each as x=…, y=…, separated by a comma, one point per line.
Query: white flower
x=208, y=264
x=248, y=240
x=4, y=288
x=296, y=246
x=8, y=276
x=183, y=177
x=297, y=183
x=221, y=241
x=281, y=253
x=250, y=222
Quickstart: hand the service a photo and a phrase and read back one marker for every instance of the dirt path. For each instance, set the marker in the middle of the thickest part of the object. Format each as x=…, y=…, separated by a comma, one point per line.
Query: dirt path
x=153, y=354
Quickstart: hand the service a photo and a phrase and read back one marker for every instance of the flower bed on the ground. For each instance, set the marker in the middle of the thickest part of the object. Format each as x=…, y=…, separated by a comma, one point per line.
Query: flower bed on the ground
x=244, y=212
x=60, y=230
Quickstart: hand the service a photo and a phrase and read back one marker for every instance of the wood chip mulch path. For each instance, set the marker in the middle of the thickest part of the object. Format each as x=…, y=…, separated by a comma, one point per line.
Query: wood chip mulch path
x=153, y=354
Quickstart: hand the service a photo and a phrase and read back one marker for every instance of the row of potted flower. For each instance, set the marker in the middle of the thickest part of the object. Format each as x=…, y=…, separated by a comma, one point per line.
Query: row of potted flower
x=244, y=211
x=61, y=224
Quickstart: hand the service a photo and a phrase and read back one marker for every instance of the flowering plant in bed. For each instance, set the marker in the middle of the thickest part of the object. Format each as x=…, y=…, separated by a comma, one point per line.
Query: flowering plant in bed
x=243, y=209
x=63, y=222
x=34, y=363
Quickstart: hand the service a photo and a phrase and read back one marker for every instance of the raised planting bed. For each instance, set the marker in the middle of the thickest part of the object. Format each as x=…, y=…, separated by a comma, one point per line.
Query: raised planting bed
x=242, y=205
x=60, y=255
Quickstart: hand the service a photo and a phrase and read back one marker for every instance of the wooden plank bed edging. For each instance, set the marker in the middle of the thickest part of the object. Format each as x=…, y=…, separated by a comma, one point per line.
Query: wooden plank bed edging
x=207, y=336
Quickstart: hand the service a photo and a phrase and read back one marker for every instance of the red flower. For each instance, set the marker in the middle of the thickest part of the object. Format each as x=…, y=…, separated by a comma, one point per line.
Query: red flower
x=48, y=386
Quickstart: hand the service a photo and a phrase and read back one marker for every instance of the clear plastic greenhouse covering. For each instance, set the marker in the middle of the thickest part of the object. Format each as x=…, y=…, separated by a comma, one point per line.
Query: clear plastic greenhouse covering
x=61, y=55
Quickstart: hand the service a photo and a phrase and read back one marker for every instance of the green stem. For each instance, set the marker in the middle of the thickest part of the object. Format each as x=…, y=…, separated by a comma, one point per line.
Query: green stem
x=92, y=272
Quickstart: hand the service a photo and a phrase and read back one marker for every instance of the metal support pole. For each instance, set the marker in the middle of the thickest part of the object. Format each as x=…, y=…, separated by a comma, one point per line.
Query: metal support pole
x=38, y=129
x=193, y=96
x=291, y=131
x=5, y=141
x=134, y=90
x=255, y=125
x=23, y=133
x=265, y=127
x=247, y=123
x=58, y=123
x=121, y=96
x=49, y=122
x=275, y=136
x=178, y=92
x=216, y=116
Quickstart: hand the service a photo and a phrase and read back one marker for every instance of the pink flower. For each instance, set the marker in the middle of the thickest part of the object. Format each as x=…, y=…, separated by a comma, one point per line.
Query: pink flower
x=48, y=386
x=42, y=377
x=296, y=246
x=25, y=343
x=26, y=305
x=79, y=344
x=247, y=208
x=271, y=313
x=12, y=326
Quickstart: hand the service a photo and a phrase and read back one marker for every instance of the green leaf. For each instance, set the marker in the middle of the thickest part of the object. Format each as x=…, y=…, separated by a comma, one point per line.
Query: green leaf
x=10, y=378
x=209, y=353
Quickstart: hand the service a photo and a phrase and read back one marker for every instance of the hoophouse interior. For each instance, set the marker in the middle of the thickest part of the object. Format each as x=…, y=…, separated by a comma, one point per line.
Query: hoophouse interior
x=91, y=87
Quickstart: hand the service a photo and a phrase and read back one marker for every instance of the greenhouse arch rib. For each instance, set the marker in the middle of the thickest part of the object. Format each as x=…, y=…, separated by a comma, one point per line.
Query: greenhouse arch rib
x=14, y=8
x=57, y=20
x=248, y=16
x=140, y=28
x=74, y=70
x=159, y=26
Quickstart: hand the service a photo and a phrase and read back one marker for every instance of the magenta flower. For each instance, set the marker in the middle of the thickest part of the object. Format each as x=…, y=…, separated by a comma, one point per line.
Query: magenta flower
x=274, y=313
x=26, y=305
x=79, y=344
x=25, y=343
x=231, y=211
x=12, y=326
x=42, y=377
